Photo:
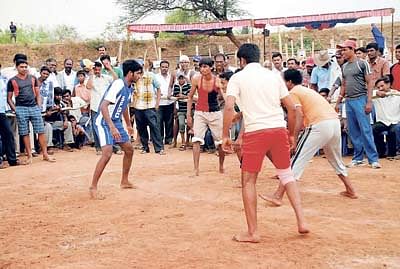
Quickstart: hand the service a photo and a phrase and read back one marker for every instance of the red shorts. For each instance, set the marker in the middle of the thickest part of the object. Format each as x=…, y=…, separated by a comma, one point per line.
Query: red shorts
x=258, y=143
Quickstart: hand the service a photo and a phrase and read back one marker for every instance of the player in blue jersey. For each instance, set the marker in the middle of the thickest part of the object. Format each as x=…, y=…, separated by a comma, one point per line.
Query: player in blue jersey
x=109, y=128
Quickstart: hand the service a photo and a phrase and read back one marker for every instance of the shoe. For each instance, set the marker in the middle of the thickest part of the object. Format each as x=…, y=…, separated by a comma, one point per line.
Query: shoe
x=161, y=152
x=375, y=165
x=144, y=151
x=355, y=163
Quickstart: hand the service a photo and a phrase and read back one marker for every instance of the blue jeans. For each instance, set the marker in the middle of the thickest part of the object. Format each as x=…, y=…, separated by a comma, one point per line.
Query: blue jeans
x=360, y=129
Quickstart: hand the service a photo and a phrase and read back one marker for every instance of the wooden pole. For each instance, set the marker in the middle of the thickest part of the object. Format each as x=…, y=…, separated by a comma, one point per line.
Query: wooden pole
x=292, y=47
x=120, y=52
x=159, y=53
x=221, y=49
x=392, y=35
x=156, y=48
x=280, y=40
x=197, y=50
x=286, y=50
x=236, y=59
x=301, y=41
x=270, y=48
x=312, y=48
x=209, y=52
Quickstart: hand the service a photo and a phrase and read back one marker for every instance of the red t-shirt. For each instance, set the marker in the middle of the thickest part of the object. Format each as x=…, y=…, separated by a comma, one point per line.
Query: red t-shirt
x=395, y=72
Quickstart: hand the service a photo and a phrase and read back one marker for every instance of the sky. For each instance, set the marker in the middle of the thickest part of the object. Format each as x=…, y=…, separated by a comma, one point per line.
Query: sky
x=90, y=17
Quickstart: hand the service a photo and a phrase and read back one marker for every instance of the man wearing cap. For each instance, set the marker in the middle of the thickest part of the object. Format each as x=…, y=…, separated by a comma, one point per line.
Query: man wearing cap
x=320, y=76
x=184, y=70
x=207, y=111
x=357, y=89
x=307, y=72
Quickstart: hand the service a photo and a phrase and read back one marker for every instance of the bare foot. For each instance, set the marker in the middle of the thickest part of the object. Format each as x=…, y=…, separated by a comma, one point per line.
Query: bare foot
x=348, y=194
x=94, y=195
x=303, y=229
x=196, y=172
x=49, y=159
x=246, y=238
x=28, y=161
x=127, y=185
x=272, y=199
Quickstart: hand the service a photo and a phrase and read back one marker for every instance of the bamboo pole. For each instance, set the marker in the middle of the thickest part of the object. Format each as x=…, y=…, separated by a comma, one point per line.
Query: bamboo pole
x=312, y=48
x=301, y=41
x=120, y=52
x=280, y=40
x=292, y=47
x=197, y=50
x=286, y=50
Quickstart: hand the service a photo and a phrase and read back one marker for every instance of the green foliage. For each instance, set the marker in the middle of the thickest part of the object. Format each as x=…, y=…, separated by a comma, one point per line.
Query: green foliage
x=28, y=34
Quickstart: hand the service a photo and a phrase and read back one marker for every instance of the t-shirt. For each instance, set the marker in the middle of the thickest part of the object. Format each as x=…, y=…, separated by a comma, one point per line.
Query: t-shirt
x=354, y=76
x=117, y=71
x=184, y=89
x=164, y=87
x=320, y=77
x=100, y=85
x=47, y=94
x=315, y=107
x=395, y=72
x=387, y=109
x=146, y=91
x=119, y=95
x=26, y=95
x=13, y=29
x=258, y=92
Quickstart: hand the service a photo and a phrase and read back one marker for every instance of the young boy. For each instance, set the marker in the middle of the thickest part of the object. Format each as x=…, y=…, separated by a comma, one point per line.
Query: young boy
x=109, y=127
x=181, y=91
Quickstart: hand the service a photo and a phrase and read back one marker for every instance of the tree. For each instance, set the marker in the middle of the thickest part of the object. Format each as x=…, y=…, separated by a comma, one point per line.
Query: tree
x=218, y=9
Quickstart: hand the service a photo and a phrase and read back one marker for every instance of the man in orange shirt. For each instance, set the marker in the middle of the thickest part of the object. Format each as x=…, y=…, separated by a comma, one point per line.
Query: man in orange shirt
x=322, y=130
x=395, y=71
x=379, y=66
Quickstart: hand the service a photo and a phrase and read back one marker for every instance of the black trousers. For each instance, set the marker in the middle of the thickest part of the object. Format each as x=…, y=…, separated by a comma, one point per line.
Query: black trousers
x=144, y=118
x=7, y=139
x=377, y=129
x=166, y=119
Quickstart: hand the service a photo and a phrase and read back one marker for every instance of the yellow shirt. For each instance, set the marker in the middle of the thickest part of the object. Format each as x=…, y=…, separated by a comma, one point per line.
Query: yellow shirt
x=315, y=107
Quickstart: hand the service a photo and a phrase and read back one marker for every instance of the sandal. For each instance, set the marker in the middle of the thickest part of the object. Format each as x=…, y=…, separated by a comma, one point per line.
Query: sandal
x=182, y=148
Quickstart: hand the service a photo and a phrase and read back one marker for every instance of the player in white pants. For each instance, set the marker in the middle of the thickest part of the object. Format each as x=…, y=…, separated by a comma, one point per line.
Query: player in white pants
x=322, y=131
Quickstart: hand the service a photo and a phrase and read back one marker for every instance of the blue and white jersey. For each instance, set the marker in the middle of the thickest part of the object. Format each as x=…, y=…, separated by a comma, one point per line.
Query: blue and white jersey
x=119, y=95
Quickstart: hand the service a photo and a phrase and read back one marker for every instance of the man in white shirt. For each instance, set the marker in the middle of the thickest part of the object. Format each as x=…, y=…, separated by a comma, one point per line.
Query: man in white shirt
x=98, y=84
x=277, y=61
x=259, y=93
x=166, y=109
x=67, y=77
x=52, y=65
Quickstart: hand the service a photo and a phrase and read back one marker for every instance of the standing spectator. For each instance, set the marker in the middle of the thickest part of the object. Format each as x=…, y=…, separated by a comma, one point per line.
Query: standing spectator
x=110, y=70
x=395, y=71
x=98, y=84
x=67, y=77
x=379, y=66
x=320, y=76
x=387, y=109
x=357, y=89
x=361, y=53
x=46, y=90
x=27, y=108
x=181, y=91
x=147, y=95
x=52, y=65
x=80, y=89
x=219, y=60
x=6, y=133
x=13, y=32
x=307, y=72
x=292, y=63
x=278, y=65
x=166, y=110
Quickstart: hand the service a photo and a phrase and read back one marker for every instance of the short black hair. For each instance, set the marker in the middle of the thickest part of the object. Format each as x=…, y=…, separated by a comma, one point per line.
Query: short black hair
x=58, y=91
x=49, y=60
x=104, y=57
x=385, y=79
x=206, y=61
x=44, y=68
x=68, y=59
x=325, y=90
x=293, y=59
x=97, y=64
x=372, y=45
x=80, y=72
x=67, y=91
x=20, y=56
x=21, y=61
x=131, y=65
x=293, y=75
x=164, y=62
x=250, y=52
x=362, y=49
x=226, y=75
x=276, y=54
x=398, y=47
x=101, y=46
x=220, y=55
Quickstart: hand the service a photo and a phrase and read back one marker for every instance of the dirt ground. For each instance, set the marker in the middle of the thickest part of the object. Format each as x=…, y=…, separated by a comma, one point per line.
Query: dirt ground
x=174, y=220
